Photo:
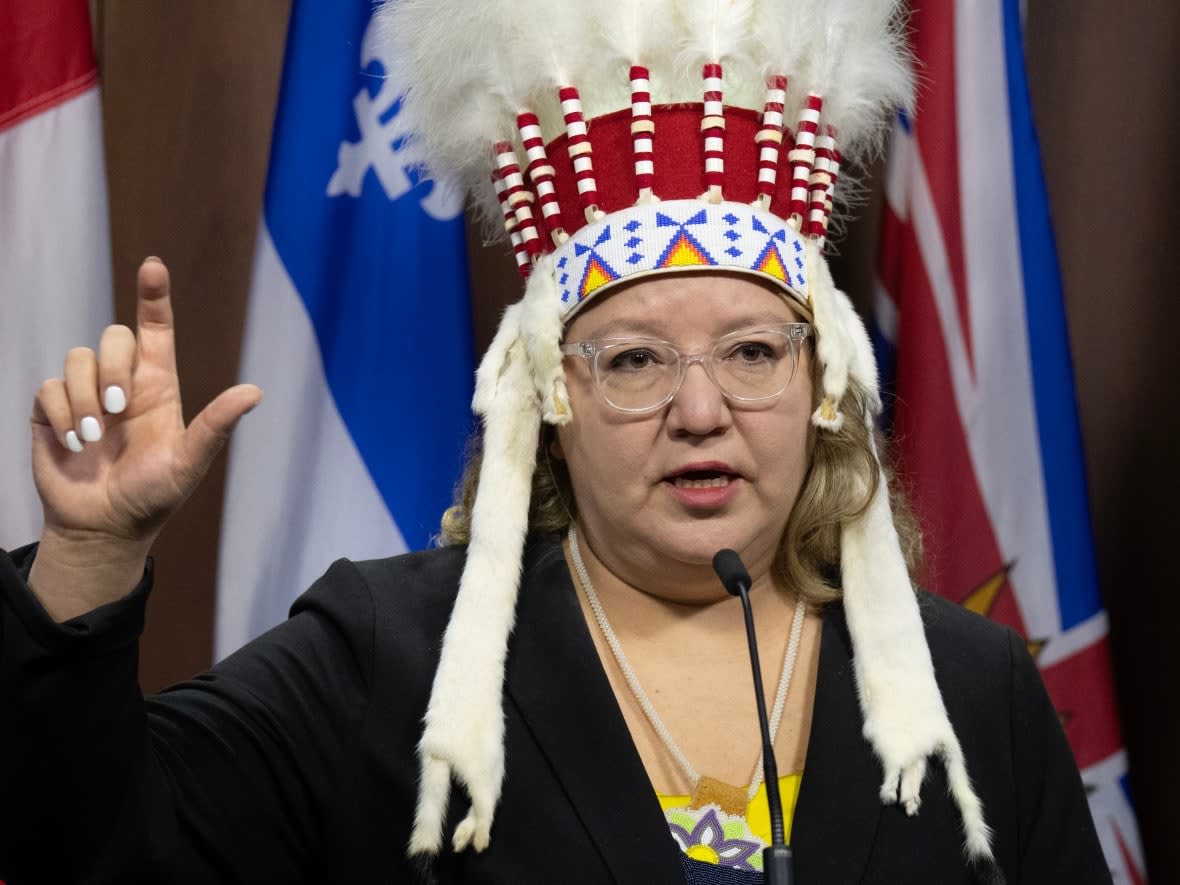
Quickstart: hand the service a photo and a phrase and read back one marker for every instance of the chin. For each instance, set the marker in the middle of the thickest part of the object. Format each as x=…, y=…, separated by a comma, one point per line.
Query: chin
x=696, y=544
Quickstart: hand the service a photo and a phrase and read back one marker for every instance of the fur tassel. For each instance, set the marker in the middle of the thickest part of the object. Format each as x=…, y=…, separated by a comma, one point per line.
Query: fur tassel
x=905, y=718
x=833, y=337
x=541, y=330
x=489, y=375
x=463, y=738
x=987, y=872
x=843, y=344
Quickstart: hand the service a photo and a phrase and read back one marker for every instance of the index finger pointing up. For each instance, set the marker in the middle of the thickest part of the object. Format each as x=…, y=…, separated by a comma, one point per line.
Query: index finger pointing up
x=154, y=314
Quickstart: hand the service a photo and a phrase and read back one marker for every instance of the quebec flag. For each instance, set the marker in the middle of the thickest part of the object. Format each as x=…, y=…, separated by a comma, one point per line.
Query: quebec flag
x=358, y=330
x=970, y=305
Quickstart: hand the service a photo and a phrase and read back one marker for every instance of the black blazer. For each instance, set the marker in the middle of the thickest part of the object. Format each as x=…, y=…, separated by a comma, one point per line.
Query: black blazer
x=294, y=759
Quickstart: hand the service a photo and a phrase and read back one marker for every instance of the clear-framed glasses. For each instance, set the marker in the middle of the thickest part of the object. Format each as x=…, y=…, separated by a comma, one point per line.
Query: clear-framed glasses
x=642, y=374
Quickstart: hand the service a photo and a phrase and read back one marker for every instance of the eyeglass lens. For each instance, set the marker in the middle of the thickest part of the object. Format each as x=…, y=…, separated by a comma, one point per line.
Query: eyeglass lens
x=639, y=374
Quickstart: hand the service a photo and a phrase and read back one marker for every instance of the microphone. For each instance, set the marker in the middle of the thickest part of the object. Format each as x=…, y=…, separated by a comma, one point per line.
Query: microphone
x=777, y=863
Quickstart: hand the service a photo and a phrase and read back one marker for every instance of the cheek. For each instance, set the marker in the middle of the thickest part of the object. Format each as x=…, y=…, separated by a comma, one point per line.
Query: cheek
x=604, y=454
x=784, y=443
x=581, y=444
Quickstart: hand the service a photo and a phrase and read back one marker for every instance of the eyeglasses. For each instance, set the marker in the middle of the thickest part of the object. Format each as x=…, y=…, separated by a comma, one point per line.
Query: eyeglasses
x=642, y=374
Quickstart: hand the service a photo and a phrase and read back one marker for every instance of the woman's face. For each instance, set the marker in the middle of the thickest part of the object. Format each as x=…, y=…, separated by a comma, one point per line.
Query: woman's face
x=659, y=493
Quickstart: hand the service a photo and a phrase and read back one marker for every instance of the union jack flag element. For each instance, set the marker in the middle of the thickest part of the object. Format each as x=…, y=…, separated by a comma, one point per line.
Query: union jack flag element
x=969, y=311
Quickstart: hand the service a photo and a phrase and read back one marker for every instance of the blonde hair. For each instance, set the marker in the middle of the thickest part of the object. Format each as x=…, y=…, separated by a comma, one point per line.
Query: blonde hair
x=840, y=481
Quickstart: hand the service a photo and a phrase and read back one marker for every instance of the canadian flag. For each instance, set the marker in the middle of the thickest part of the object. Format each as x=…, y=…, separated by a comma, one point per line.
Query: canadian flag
x=55, y=266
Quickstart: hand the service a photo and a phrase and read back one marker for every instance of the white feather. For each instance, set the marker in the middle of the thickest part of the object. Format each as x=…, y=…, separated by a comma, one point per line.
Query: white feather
x=785, y=29
x=715, y=30
x=635, y=31
x=865, y=71
x=468, y=68
x=784, y=37
x=453, y=112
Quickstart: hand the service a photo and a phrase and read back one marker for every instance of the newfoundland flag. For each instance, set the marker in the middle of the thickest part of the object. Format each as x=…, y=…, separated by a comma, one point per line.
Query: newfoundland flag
x=970, y=314
x=358, y=330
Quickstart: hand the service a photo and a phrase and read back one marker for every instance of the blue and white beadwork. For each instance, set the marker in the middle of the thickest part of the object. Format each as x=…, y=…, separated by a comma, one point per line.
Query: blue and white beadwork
x=678, y=235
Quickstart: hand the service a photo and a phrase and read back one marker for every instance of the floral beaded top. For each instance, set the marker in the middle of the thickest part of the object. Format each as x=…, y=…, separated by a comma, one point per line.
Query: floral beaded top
x=735, y=841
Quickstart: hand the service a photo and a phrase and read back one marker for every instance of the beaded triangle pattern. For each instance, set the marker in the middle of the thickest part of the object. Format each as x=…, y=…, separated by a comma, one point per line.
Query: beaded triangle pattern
x=679, y=235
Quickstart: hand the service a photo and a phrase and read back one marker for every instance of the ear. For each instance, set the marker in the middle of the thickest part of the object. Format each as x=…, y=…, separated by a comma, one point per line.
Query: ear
x=556, y=452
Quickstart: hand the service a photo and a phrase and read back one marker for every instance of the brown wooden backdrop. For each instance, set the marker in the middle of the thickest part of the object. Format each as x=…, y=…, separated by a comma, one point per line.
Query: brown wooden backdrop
x=189, y=93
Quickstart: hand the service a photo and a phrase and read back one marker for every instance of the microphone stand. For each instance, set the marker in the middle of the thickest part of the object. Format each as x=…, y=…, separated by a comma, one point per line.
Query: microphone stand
x=777, y=861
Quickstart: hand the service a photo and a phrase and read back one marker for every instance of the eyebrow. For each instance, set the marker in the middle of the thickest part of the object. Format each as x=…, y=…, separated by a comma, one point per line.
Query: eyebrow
x=626, y=327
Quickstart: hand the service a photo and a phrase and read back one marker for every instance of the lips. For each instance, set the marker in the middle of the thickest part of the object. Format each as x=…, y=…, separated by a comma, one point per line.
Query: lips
x=704, y=487
x=716, y=482
x=703, y=475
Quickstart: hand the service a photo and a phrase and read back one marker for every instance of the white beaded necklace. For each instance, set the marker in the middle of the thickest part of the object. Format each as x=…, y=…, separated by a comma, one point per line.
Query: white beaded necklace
x=640, y=695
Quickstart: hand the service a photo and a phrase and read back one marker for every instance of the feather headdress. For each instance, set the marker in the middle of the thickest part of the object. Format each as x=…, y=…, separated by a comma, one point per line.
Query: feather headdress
x=601, y=135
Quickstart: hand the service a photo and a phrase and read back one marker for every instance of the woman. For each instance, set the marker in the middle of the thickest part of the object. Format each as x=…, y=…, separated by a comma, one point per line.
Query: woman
x=707, y=387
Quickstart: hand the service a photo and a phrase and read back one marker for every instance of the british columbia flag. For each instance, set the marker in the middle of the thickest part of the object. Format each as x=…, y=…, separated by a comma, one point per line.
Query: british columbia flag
x=970, y=315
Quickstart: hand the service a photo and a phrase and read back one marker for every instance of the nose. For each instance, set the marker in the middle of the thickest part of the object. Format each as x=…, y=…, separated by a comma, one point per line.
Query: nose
x=699, y=408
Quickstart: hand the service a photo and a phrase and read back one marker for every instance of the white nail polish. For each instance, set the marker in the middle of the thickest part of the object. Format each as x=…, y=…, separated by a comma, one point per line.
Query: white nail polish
x=91, y=429
x=72, y=442
x=114, y=400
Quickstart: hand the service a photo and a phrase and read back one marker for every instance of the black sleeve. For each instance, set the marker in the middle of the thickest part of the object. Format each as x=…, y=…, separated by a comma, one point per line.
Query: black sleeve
x=229, y=777
x=1057, y=837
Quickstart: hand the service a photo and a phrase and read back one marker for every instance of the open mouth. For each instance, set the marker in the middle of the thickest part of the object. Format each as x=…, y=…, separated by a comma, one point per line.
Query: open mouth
x=703, y=475
x=702, y=479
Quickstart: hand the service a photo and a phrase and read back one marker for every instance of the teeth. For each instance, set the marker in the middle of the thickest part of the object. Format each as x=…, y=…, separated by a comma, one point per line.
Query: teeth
x=715, y=483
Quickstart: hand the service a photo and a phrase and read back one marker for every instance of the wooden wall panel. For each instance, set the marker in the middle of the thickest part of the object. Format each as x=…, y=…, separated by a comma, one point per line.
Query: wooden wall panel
x=1104, y=80
x=189, y=94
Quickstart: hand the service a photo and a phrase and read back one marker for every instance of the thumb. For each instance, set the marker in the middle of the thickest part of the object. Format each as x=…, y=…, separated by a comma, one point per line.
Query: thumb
x=210, y=430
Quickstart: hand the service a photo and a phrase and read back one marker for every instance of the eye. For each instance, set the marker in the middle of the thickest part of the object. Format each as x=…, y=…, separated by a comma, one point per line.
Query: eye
x=635, y=359
x=752, y=352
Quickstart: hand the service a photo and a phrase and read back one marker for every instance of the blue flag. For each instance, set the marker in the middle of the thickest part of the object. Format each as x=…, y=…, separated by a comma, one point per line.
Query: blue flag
x=358, y=330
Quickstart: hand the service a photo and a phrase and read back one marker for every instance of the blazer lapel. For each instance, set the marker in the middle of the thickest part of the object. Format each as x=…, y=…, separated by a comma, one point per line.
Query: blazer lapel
x=558, y=684
x=839, y=806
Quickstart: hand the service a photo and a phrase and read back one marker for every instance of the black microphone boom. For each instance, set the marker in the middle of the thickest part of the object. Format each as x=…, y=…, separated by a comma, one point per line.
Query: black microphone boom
x=776, y=860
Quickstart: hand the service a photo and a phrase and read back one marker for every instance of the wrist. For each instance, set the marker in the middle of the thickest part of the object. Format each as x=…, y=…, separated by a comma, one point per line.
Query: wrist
x=76, y=572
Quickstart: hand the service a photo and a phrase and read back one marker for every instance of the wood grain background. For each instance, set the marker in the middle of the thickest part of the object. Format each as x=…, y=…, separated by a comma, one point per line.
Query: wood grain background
x=189, y=95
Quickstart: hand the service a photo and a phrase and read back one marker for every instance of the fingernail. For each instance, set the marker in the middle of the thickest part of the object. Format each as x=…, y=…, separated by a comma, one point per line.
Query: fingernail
x=72, y=442
x=114, y=400
x=91, y=429
x=154, y=259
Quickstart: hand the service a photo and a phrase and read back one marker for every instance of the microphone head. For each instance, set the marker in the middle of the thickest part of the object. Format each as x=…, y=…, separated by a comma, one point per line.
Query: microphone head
x=731, y=571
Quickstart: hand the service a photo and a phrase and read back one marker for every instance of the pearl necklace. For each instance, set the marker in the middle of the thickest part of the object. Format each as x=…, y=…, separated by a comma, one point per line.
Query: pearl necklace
x=645, y=703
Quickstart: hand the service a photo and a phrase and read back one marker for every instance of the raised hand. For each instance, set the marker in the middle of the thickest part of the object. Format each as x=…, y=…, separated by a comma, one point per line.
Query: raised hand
x=112, y=458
